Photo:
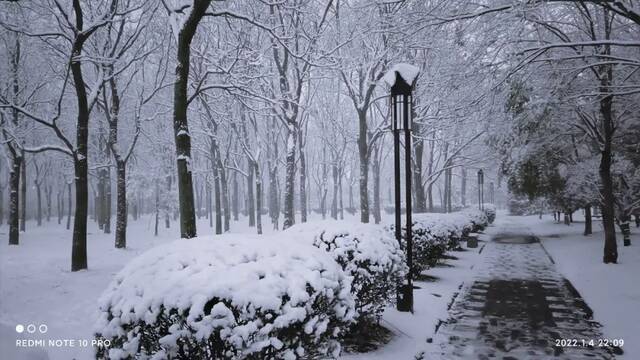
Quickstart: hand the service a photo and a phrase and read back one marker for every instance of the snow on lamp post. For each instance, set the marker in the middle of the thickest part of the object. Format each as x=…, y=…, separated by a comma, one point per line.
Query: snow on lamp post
x=480, y=189
x=401, y=78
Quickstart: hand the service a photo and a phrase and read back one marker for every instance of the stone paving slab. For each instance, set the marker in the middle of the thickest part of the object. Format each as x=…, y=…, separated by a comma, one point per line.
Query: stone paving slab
x=518, y=307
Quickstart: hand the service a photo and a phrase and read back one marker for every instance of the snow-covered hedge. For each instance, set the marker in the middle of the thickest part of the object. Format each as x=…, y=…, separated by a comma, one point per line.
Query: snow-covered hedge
x=490, y=211
x=226, y=297
x=366, y=252
x=434, y=234
x=477, y=217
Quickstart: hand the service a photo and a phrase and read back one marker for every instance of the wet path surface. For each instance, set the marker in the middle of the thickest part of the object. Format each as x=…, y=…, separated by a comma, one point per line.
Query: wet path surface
x=518, y=307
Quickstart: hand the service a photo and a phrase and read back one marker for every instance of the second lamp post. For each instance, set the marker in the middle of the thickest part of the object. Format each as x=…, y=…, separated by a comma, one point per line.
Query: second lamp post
x=480, y=189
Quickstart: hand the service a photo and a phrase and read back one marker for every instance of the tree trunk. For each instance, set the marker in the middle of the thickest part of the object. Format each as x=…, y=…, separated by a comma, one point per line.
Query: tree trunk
x=303, y=183
x=216, y=186
x=209, y=203
x=587, y=220
x=334, y=199
x=274, y=199
x=180, y=122
x=198, y=199
x=14, y=201
x=377, y=216
x=39, y=204
x=48, y=189
x=606, y=185
x=463, y=188
x=322, y=186
x=95, y=213
x=224, y=189
x=418, y=146
x=272, y=164
x=364, y=166
x=98, y=196
x=60, y=198
x=79, y=242
x=234, y=199
x=258, y=198
x=167, y=207
x=429, y=173
x=121, y=205
x=106, y=203
x=341, y=208
x=17, y=156
x=445, y=195
x=1, y=206
x=606, y=181
x=289, y=188
x=23, y=194
x=350, y=195
x=79, y=246
x=157, y=191
x=251, y=201
x=450, y=190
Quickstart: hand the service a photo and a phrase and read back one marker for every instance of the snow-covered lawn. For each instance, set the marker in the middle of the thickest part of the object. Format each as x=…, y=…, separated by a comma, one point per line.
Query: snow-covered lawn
x=37, y=287
x=612, y=291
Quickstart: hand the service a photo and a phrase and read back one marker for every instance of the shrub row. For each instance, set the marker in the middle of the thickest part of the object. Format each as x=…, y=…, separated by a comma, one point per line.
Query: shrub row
x=435, y=234
x=291, y=295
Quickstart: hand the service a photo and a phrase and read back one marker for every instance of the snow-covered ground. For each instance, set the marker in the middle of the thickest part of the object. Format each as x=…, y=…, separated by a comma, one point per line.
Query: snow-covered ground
x=37, y=287
x=612, y=291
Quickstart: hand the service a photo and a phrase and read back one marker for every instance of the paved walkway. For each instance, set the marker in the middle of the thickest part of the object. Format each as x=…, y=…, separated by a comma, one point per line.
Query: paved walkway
x=517, y=308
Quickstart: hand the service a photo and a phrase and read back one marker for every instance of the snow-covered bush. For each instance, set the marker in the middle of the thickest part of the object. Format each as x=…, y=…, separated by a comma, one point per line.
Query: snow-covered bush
x=226, y=297
x=368, y=253
x=489, y=210
x=428, y=249
x=434, y=234
x=477, y=217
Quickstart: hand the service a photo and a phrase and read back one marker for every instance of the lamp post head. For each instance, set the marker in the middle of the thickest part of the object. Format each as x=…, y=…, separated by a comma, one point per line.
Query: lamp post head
x=400, y=86
x=480, y=177
x=401, y=79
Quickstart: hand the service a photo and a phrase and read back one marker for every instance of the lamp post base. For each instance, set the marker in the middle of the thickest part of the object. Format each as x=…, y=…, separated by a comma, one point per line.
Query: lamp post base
x=405, y=298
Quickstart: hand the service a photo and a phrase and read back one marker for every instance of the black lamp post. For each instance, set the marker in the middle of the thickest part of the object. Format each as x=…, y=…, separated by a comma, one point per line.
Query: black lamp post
x=480, y=189
x=401, y=110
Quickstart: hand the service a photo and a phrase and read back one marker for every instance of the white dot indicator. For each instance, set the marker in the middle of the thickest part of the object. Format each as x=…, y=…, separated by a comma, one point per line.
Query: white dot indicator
x=19, y=328
x=31, y=328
